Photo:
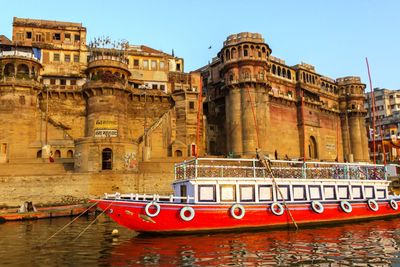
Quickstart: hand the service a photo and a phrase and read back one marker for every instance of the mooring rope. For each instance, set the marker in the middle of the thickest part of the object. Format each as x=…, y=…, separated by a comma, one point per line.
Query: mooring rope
x=90, y=224
x=68, y=224
x=268, y=167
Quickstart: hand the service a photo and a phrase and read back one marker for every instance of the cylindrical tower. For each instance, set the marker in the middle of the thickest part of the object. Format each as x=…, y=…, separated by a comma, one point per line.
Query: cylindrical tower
x=245, y=66
x=107, y=145
x=19, y=88
x=352, y=114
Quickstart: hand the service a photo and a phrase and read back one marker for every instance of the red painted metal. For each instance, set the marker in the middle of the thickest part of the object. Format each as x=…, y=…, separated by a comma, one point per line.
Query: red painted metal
x=132, y=215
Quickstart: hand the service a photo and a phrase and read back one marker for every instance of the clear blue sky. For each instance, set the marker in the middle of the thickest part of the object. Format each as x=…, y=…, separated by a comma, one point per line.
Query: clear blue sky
x=334, y=36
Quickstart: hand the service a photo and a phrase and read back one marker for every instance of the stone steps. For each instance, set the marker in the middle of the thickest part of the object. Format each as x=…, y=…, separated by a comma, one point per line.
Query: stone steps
x=13, y=169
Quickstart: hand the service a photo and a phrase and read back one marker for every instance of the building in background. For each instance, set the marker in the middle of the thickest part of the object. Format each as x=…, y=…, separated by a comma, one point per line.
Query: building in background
x=98, y=105
x=387, y=124
x=255, y=100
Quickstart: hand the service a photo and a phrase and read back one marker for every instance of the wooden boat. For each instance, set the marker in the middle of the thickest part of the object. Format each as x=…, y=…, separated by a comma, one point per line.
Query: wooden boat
x=44, y=212
x=214, y=194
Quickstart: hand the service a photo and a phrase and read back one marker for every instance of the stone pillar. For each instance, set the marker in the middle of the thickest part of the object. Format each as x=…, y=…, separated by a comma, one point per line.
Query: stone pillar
x=355, y=138
x=344, y=122
x=364, y=139
x=249, y=133
x=234, y=122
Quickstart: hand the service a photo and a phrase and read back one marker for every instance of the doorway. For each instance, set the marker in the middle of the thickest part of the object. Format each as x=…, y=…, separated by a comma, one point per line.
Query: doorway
x=107, y=159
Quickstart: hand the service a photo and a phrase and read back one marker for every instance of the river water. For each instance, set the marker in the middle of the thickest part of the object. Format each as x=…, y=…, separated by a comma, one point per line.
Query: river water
x=375, y=243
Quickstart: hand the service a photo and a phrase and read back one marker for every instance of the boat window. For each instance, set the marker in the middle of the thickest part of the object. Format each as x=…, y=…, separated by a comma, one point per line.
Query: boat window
x=357, y=192
x=265, y=193
x=247, y=193
x=380, y=193
x=285, y=192
x=343, y=192
x=315, y=192
x=299, y=192
x=329, y=192
x=183, y=193
x=369, y=192
x=207, y=193
x=228, y=193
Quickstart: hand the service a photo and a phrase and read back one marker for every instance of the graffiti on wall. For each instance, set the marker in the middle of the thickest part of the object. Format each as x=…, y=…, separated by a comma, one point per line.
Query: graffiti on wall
x=130, y=160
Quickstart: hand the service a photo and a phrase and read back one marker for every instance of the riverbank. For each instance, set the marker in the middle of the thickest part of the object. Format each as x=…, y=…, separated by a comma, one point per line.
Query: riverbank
x=60, y=188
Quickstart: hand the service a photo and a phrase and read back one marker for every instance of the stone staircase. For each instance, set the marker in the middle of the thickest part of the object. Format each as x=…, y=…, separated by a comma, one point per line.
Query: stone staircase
x=37, y=168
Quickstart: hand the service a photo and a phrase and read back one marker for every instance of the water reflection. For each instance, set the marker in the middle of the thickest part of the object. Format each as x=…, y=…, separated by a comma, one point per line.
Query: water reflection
x=373, y=243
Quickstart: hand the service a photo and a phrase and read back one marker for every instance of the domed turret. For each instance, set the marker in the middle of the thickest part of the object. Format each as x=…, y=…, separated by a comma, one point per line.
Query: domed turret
x=244, y=60
x=352, y=114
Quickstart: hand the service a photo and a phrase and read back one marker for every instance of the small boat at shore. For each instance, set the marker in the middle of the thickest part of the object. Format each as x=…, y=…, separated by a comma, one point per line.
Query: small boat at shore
x=218, y=194
x=44, y=212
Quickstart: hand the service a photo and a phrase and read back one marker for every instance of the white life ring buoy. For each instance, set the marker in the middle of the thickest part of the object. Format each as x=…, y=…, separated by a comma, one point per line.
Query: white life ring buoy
x=346, y=206
x=277, y=209
x=241, y=209
x=183, y=215
x=373, y=205
x=151, y=204
x=393, y=204
x=317, y=207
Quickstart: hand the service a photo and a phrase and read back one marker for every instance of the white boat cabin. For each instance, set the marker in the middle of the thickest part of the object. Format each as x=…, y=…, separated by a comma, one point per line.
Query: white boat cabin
x=246, y=181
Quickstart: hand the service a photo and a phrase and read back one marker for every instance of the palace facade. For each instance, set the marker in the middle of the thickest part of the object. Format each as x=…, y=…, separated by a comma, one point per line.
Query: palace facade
x=100, y=105
x=255, y=100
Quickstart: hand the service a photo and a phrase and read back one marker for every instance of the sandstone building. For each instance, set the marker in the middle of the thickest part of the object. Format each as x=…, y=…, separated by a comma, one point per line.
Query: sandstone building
x=115, y=116
x=96, y=105
x=255, y=100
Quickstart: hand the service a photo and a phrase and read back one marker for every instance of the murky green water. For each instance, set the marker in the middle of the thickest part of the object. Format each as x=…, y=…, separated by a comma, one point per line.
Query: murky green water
x=362, y=244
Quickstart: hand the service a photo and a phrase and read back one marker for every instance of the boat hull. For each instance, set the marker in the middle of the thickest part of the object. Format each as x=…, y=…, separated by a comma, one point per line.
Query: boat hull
x=132, y=214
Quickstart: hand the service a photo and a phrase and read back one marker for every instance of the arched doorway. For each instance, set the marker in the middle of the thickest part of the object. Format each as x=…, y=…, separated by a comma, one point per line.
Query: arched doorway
x=312, y=148
x=57, y=154
x=106, y=159
x=178, y=153
x=70, y=154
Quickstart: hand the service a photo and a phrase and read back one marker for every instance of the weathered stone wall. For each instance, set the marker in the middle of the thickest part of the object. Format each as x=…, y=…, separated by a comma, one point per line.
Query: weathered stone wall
x=70, y=188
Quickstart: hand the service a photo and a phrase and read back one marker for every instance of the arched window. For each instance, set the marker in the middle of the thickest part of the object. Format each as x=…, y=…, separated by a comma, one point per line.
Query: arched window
x=273, y=69
x=23, y=71
x=39, y=154
x=106, y=159
x=57, y=154
x=289, y=76
x=227, y=54
x=70, y=153
x=279, y=71
x=9, y=69
x=312, y=148
x=178, y=153
x=233, y=53
x=246, y=51
x=284, y=72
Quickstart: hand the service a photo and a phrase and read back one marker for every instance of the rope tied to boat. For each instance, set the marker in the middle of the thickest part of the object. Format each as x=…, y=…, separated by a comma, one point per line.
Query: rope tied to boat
x=68, y=224
x=90, y=224
x=267, y=164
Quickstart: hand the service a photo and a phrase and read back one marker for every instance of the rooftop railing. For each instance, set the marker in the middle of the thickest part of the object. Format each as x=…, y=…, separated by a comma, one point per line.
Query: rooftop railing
x=252, y=168
x=18, y=53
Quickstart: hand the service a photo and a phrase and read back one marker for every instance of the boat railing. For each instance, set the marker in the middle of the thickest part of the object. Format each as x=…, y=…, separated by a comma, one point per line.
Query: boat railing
x=144, y=197
x=251, y=168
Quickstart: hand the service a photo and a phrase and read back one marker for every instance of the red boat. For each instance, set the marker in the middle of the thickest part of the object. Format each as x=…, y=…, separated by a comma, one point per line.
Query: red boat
x=214, y=194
